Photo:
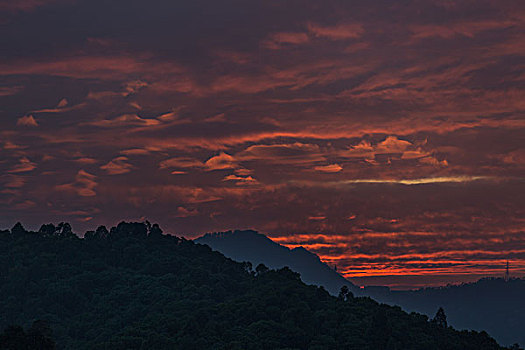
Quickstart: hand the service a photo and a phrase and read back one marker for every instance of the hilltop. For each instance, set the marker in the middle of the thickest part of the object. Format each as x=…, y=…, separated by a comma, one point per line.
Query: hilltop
x=249, y=245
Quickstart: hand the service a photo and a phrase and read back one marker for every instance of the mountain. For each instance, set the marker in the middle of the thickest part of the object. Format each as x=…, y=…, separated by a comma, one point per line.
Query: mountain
x=256, y=248
x=131, y=287
x=490, y=304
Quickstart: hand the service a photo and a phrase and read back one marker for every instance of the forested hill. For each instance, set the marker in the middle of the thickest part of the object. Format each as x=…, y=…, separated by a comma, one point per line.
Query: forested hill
x=133, y=288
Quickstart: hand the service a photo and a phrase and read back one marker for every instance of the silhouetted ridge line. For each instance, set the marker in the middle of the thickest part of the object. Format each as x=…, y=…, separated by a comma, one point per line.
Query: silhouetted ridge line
x=131, y=289
x=249, y=245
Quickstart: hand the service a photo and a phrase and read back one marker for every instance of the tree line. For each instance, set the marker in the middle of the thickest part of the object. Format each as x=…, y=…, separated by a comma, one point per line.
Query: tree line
x=132, y=287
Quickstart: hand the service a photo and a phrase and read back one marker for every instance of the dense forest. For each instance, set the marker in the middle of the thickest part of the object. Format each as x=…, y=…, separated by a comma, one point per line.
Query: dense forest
x=134, y=288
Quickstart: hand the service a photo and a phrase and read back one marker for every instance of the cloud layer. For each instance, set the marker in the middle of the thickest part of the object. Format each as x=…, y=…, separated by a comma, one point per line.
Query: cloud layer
x=386, y=137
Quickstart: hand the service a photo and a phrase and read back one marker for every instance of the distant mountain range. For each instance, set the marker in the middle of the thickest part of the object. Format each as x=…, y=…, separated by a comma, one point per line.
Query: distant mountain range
x=489, y=304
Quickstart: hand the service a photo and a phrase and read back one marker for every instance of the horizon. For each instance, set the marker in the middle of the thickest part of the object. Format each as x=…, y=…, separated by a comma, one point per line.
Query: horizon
x=133, y=287
x=402, y=282
x=385, y=137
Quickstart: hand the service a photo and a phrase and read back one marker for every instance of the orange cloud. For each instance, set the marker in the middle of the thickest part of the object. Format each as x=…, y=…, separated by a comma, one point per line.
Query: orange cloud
x=180, y=162
x=117, y=166
x=414, y=181
x=331, y=168
x=124, y=121
x=240, y=180
x=84, y=185
x=135, y=152
x=414, y=154
x=85, y=66
x=220, y=162
x=24, y=165
x=515, y=157
x=433, y=161
x=27, y=120
x=392, y=145
x=243, y=172
x=63, y=103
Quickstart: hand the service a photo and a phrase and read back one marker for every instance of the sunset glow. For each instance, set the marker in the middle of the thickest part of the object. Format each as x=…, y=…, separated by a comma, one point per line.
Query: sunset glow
x=386, y=137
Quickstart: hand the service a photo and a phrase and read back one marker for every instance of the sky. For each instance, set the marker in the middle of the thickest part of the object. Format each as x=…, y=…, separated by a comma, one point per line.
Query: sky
x=385, y=136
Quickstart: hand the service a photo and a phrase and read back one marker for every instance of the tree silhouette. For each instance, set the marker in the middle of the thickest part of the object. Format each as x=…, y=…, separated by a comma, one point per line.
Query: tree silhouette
x=101, y=232
x=440, y=319
x=47, y=230
x=248, y=267
x=261, y=268
x=154, y=230
x=64, y=230
x=18, y=229
x=344, y=293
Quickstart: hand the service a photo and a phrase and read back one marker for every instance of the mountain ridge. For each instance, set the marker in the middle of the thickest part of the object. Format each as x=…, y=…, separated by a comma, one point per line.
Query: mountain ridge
x=244, y=245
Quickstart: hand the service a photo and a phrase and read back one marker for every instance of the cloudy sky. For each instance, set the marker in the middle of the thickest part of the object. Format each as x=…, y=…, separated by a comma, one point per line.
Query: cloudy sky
x=386, y=136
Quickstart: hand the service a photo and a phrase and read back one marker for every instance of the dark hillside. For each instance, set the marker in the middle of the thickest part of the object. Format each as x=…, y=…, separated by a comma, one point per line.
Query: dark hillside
x=257, y=248
x=133, y=288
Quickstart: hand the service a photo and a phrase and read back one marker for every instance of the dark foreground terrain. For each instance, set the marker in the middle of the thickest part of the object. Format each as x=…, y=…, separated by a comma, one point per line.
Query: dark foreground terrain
x=134, y=288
